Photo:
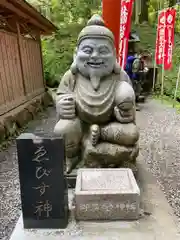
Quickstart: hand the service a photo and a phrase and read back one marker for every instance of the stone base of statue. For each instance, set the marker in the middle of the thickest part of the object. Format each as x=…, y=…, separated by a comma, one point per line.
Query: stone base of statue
x=106, y=194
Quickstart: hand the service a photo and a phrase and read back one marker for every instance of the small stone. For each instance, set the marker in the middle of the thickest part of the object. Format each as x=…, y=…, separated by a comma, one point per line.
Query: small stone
x=23, y=117
x=37, y=103
x=32, y=110
x=47, y=100
x=10, y=126
x=2, y=132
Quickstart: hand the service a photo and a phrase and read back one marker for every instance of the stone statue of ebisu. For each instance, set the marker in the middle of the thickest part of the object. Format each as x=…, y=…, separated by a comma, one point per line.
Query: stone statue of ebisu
x=95, y=104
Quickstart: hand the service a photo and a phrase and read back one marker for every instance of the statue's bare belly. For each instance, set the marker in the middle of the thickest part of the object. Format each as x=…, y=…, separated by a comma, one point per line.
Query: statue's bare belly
x=94, y=106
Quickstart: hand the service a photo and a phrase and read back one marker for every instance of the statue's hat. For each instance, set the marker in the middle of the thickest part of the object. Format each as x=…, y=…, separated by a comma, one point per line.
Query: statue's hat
x=96, y=28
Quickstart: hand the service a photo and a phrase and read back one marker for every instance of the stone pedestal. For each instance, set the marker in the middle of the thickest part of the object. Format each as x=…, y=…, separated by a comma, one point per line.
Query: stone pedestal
x=106, y=194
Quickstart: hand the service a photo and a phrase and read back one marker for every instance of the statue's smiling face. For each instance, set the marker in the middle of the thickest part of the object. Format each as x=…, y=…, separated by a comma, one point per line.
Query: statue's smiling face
x=95, y=56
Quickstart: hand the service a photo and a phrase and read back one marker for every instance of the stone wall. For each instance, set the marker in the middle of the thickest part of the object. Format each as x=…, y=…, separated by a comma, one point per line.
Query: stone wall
x=13, y=121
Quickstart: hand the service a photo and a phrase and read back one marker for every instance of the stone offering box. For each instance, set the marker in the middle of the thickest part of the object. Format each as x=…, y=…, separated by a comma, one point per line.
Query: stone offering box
x=106, y=194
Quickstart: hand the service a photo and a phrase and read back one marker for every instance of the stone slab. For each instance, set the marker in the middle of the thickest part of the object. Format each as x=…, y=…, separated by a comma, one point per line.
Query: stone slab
x=157, y=220
x=41, y=166
x=106, y=194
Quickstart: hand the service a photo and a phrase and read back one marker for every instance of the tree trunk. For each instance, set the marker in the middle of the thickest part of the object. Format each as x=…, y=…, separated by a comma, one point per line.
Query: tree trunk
x=172, y=3
x=144, y=11
x=137, y=11
x=134, y=12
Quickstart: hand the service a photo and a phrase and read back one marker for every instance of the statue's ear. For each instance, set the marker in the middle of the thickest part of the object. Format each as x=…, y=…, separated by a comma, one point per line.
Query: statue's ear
x=73, y=67
x=75, y=53
x=117, y=68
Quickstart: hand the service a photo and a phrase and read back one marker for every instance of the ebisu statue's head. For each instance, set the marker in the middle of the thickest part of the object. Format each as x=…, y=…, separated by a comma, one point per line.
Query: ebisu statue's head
x=95, y=55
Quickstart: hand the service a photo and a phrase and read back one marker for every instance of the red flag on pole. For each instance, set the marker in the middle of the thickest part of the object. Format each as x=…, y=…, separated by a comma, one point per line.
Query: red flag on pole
x=125, y=25
x=169, y=36
x=160, y=39
x=111, y=15
x=165, y=38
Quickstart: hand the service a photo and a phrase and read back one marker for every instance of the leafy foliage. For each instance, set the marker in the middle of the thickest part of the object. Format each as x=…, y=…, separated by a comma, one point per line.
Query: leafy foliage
x=70, y=17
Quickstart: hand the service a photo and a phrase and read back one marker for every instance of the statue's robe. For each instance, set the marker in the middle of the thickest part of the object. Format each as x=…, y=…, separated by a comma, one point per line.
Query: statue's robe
x=97, y=107
x=92, y=106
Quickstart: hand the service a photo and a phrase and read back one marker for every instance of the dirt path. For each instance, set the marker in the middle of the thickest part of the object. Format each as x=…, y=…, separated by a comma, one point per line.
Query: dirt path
x=159, y=147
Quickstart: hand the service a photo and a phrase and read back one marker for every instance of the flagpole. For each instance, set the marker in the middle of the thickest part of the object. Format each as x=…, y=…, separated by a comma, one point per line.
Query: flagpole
x=124, y=52
x=162, y=79
x=154, y=72
x=177, y=84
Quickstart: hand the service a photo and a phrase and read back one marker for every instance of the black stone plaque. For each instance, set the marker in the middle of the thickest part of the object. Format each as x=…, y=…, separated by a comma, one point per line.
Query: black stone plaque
x=44, y=190
x=71, y=179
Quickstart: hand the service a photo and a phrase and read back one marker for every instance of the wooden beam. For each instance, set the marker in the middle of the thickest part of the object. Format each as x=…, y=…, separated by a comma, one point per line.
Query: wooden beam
x=42, y=65
x=27, y=30
x=31, y=13
x=20, y=57
x=7, y=24
x=20, y=13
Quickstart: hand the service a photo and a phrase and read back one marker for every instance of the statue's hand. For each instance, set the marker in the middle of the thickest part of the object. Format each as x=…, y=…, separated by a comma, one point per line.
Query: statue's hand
x=117, y=114
x=124, y=116
x=66, y=106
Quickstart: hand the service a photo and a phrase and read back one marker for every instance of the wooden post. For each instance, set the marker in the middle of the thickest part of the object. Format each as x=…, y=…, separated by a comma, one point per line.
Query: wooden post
x=111, y=15
x=20, y=57
x=42, y=66
x=177, y=85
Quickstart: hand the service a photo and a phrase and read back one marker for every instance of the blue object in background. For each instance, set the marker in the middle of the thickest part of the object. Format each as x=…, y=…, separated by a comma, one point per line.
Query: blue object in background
x=128, y=67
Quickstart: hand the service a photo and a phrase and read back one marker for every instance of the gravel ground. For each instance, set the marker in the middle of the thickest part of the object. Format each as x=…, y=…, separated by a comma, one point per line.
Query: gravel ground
x=159, y=147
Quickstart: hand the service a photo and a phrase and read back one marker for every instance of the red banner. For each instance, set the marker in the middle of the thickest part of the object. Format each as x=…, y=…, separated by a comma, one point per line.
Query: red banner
x=125, y=24
x=111, y=14
x=160, y=39
x=165, y=38
x=170, y=24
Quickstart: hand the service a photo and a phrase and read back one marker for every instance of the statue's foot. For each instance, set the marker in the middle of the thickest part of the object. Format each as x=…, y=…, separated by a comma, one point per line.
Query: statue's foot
x=68, y=166
x=95, y=134
x=71, y=163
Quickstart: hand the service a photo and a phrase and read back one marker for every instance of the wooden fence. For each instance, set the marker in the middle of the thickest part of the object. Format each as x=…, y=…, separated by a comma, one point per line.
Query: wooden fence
x=21, y=74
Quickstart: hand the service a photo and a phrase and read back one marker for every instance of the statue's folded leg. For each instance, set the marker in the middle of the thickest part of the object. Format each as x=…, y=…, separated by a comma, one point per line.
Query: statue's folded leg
x=105, y=154
x=124, y=134
x=72, y=132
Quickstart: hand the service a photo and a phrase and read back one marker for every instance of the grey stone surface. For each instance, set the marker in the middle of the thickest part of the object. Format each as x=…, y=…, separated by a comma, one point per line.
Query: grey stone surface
x=95, y=98
x=156, y=220
x=106, y=194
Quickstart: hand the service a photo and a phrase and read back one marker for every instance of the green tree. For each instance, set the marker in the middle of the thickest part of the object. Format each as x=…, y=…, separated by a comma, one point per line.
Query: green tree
x=144, y=10
x=70, y=17
x=172, y=3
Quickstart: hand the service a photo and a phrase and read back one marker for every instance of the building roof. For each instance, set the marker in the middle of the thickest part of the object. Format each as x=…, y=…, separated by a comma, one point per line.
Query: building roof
x=25, y=11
